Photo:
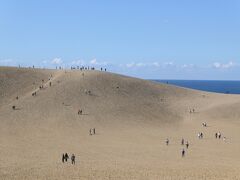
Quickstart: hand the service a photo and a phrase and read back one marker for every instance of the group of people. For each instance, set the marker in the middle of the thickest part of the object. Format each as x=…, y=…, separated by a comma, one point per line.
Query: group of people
x=200, y=135
x=182, y=143
x=34, y=93
x=80, y=112
x=92, y=131
x=87, y=91
x=192, y=110
x=204, y=124
x=83, y=68
x=218, y=135
x=187, y=145
x=65, y=158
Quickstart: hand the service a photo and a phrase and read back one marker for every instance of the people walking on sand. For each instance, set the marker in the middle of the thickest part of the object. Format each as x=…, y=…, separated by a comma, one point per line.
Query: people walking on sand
x=94, y=131
x=219, y=135
x=216, y=135
x=167, y=141
x=63, y=158
x=187, y=144
x=66, y=157
x=200, y=135
x=90, y=132
x=79, y=112
x=182, y=142
x=183, y=152
x=73, y=159
x=50, y=84
x=224, y=139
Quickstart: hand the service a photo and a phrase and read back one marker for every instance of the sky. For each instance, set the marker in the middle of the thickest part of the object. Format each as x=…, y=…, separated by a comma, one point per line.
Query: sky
x=150, y=39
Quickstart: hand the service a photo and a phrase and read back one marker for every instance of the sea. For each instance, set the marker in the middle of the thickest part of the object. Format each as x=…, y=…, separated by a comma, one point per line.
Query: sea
x=218, y=86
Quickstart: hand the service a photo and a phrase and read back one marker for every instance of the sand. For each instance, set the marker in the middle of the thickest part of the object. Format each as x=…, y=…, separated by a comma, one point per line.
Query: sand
x=132, y=118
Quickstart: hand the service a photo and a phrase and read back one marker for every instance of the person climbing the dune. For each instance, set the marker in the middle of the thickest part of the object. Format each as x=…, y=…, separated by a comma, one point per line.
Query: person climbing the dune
x=63, y=158
x=183, y=152
x=73, y=159
x=66, y=157
x=167, y=141
x=182, y=142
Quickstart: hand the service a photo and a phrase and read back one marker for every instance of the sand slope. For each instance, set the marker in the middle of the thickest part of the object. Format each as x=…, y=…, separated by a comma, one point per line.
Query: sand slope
x=132, y=117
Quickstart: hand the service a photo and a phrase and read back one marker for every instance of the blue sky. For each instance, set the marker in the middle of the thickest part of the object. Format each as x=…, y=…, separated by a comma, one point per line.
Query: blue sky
x=152, y=39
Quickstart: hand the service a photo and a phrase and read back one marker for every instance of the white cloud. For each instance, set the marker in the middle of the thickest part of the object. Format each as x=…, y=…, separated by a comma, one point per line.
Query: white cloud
x=78, y=62
x=6, y=61
x=57, y=61
x=156, y=64
x=185, y=66
x=44, y=62
x=141, y=64
x=95, y=62
x=218, y=65
x=168, y=63
x=129, y=65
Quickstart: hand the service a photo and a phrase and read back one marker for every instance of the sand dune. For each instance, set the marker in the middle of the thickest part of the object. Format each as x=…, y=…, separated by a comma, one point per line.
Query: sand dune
x=132, y=117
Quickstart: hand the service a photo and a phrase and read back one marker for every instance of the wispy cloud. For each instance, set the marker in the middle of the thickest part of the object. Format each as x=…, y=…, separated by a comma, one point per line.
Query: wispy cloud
x=7, y=62
x=219, y=65
x=57, y=61
x=185, y=66
x=98, y=63
x=78, y=62
x=169, y=64
x=141, y=64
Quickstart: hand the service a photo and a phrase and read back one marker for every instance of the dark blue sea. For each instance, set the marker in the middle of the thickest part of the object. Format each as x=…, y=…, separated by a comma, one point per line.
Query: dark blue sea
x=227, y=87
